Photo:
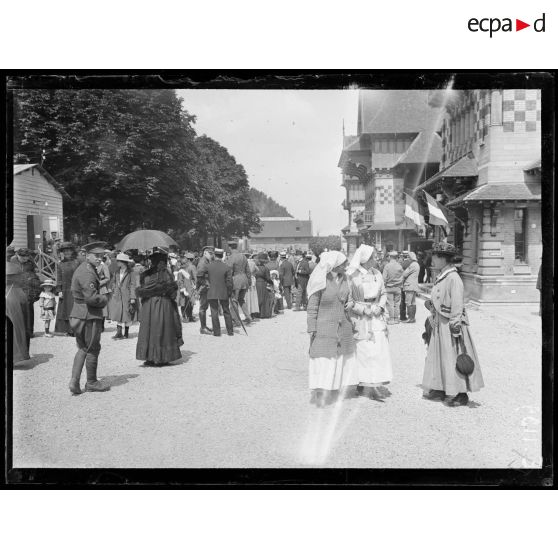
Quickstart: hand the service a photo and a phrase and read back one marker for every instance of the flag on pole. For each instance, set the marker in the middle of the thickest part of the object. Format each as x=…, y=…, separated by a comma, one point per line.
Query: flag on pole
x=436, y=211
x=412, y=211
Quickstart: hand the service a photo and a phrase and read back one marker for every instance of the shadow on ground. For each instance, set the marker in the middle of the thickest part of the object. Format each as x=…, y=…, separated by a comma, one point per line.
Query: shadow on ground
x=119, y=380
x=35, y=360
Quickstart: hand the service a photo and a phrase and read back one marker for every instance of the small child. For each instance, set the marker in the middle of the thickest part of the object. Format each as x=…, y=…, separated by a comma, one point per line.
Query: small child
x=47, y=302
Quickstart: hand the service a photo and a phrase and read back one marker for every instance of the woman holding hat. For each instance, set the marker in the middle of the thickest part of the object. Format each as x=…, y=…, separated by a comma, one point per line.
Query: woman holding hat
x=367, y=305
x=160, y=333
x=450, y=335
x=16, y=308
x=332, y=346
x=122, y=303
x=64, y=273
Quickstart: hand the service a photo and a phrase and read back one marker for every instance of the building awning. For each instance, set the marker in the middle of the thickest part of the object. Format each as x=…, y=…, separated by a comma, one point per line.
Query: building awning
x=535, y=165
x=466, y=166
x=497, y=192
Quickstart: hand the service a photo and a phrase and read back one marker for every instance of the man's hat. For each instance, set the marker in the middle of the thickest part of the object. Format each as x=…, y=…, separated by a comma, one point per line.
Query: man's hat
x=95, y=247
x=24, y=252
x=233, y=243
x=160, y=252
x=393, y=254
x=12, y=269
x=298, y=253
x=67, y=246
x=219, y=252
x=189, y=256
x=124, y=258
x=283, y=254
x=309, y=254
x=208, y=248
x=48, y=283
x=444, y=249
x=262, y=256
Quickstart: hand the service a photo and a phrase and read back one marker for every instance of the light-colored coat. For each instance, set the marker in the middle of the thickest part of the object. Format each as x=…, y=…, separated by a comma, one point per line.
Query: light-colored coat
x=410, y=277
x=122, y=292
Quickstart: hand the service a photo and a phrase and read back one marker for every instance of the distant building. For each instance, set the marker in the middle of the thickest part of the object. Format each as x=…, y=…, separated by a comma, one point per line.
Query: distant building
x=396, y=147
x=490, y=179
x=282, y=233
x=37, y=207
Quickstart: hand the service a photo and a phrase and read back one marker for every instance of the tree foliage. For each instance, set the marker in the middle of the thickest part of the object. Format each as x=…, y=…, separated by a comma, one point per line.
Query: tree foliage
x=319, y=243
x=267, y=206
x=131, y=159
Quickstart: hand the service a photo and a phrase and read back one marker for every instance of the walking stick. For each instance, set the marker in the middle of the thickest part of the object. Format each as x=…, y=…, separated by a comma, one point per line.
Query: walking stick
x=237, y=315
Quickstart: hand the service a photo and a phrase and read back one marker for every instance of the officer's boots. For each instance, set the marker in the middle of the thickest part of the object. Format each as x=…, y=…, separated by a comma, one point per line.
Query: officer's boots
x=77, y=367
x=118, y=333
x=92, y=383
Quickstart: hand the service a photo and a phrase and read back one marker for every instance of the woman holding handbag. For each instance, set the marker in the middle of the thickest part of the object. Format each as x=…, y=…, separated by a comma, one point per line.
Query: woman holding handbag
x=367, y=306
x=444, y=378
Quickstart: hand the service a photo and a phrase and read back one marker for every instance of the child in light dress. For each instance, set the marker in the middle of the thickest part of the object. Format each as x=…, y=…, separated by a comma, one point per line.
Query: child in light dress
x=47, y=303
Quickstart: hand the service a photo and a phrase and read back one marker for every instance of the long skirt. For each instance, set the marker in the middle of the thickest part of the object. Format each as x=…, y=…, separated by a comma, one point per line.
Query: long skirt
x=16, y=300
x=160, y=332
x=373, y=357
x=439, y=368
x=252, y=300
x=332, y=373
x=65, y=305
x=265, y=300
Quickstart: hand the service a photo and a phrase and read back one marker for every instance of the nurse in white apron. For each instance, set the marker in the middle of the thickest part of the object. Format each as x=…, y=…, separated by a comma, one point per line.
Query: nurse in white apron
x=367, y=307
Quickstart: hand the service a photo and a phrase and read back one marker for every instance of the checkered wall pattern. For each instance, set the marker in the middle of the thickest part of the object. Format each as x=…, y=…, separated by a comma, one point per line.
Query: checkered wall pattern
x=521, y=110
x=390, y=194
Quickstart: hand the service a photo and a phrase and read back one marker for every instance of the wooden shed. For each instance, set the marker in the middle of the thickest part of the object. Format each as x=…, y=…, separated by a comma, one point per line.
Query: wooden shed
x=37, y=206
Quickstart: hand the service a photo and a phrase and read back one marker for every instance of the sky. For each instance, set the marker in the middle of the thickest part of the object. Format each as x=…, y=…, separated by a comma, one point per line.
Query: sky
x=289, y=142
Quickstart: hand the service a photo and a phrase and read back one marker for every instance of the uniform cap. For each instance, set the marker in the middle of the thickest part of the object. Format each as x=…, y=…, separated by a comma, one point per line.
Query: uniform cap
x=67, y=246
x=283, y=254
x=393, y=254
x=219, y=251
x=94, y=247
x=208, y=248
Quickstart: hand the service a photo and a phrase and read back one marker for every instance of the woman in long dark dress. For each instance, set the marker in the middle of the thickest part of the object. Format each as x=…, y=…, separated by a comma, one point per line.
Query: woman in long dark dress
x=64, y=273
x=264, y=284
x=16, y=301
x=160, y=333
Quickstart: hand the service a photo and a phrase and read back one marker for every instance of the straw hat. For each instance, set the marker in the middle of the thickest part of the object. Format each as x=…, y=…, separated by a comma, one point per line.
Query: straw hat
x=48, y=283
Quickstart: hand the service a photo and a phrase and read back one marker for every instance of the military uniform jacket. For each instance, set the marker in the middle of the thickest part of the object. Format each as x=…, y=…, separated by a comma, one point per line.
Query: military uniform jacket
x=410, y=277
x=88, y=302
x=241, y=274
x=201, y=273
x=393, y=275
x=220, y=281
x=303, y=268
x=286, y=273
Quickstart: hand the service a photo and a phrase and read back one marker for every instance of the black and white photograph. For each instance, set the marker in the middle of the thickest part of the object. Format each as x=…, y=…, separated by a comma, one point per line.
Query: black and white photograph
x=348, y=273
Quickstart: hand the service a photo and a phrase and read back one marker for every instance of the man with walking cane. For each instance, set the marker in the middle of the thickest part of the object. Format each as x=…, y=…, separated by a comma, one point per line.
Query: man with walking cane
x=203, y=286
x=219, y=275
x=242, y=279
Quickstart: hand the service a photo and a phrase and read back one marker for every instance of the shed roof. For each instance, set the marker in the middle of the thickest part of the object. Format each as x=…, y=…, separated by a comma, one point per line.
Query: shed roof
x=535, y=165
x=466, y=166
x=284, y=228
x=396, y=112
x=497, y=192
x=18, y=169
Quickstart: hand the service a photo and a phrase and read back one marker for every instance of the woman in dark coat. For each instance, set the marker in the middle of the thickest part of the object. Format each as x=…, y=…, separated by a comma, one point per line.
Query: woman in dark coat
x=160, y=333
x=123, y=300
x=64, y=273
x=332, y=365
x=264, y=284
x=16, y=303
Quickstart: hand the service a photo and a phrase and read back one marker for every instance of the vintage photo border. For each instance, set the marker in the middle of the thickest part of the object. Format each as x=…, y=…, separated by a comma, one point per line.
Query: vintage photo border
x=300, y=477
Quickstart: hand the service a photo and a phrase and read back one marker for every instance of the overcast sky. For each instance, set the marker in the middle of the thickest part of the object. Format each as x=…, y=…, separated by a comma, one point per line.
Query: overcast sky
x=289, y=142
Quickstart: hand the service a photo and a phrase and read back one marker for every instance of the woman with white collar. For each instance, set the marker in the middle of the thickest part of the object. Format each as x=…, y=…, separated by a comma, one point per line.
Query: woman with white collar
x=368, y=308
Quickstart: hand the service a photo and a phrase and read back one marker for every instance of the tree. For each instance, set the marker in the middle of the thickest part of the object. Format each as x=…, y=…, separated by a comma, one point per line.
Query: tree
x=319, y=243
x=126, y=158
x=267, y=206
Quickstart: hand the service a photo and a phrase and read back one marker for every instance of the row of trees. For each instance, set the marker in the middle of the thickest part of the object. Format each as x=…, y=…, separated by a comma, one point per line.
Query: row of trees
x=131, y=159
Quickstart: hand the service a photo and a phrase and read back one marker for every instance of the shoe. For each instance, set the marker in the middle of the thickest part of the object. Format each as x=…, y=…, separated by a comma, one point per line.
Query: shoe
x=117, y=337
x=434, y=395
x=206, y=331
x=408, y=321
x=49, y=335
x=230, y=333
x=296, y=310
x=192, y=320
x=74, y=387
x=96, y=386
x=149, y=363
x=460, y=400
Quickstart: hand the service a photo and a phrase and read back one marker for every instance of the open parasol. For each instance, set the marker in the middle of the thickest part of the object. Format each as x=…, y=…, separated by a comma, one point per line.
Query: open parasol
x=145, y=239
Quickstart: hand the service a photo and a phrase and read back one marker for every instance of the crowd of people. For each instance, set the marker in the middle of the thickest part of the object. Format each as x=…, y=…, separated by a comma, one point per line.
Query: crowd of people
x=349, y=308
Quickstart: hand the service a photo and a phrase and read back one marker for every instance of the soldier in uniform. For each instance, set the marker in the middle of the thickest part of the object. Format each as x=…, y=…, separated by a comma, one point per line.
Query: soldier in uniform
x=302, y=274
x=286, y=277
x=86, y=319
x=242, y=279
x=219, y=275
x=202, y=285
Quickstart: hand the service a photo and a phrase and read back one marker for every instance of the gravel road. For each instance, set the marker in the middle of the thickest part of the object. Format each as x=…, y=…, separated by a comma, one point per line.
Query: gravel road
x=242, y=401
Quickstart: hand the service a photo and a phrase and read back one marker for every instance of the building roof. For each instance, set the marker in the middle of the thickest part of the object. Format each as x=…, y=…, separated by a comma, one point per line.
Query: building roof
x=426, y=148
x=466, y=166
x=283, y=227
x=396, y=112
x=535, y=165
x=18, y=169
x=497, y=192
